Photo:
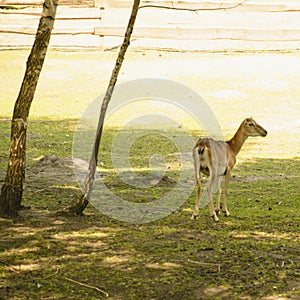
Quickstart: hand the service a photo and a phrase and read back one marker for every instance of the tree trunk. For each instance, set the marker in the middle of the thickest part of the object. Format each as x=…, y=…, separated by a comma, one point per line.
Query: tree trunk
x=12, y=190
x=79, y=207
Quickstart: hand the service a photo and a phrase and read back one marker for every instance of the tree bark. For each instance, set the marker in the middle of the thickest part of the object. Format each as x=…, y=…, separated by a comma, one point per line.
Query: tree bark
x=12, y=190
x=79, y=207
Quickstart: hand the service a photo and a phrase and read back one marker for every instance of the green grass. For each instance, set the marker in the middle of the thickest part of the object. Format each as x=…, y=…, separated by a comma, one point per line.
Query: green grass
x=253, y=254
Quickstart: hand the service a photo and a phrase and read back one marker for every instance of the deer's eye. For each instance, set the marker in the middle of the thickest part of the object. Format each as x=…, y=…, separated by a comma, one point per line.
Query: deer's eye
x=251, y=125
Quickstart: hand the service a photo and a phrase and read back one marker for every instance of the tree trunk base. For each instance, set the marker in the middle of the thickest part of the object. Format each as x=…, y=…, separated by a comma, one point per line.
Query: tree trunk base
x=79, y=207
x=10, y=201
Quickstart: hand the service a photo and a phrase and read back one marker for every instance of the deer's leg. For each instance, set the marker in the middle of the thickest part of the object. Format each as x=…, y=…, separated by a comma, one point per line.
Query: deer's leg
x=196, y=210
x=196, y=160
x=209, y=188
x=219, y=191
x=227, y=178
x=218, y=200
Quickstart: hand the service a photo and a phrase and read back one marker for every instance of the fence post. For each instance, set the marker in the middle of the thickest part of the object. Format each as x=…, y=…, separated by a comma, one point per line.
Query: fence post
x=102, y=18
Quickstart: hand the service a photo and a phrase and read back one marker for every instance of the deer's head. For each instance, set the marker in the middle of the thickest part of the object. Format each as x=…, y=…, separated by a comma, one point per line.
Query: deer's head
x=252, y=128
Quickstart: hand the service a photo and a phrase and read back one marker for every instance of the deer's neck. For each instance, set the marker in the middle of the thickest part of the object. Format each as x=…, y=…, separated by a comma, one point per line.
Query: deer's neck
x=238, y=140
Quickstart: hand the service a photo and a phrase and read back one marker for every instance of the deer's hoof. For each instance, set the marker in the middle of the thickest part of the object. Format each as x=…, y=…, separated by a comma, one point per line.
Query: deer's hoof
x=215, y=218
x=194, y=217
x=227, y=213
x=217, y=212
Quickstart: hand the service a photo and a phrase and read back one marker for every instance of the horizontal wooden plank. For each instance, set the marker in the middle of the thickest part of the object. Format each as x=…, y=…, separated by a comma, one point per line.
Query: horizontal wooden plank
x=79, y=3
x=212, y=33
x=57, y=18
x=63, y=13
x=181, y=4
x=21, y=2
x=31, y=30
x=171, y=32
x=211, y=5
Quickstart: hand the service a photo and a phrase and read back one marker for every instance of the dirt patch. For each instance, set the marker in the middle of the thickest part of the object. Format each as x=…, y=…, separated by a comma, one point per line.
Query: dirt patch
x=52, y=166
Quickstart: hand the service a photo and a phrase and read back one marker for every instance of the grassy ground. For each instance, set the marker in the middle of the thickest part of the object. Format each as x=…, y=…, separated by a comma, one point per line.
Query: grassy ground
x=253, y=254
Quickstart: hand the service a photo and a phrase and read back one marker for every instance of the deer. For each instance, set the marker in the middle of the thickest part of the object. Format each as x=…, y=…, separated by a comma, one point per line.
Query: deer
x=216, y=159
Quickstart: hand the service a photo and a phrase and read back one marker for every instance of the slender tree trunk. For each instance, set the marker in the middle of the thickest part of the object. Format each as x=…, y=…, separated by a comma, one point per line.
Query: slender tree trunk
x=79, y=207
x=12, y=190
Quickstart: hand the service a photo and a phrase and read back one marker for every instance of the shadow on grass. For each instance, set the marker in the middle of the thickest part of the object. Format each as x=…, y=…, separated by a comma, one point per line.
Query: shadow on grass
x=252, y=254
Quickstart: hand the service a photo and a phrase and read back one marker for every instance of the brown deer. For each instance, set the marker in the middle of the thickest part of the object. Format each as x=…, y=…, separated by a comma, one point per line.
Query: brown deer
x=216, y=159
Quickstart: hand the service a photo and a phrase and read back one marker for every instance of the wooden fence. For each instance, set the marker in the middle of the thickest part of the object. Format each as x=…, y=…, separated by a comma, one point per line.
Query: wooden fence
x=222, y=27
x=257, y=6
x=206, y=33
x=32, y=3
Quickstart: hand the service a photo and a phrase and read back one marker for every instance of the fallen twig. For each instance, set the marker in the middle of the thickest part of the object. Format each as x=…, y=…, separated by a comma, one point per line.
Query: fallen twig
x=51, y=274
x=88, y=286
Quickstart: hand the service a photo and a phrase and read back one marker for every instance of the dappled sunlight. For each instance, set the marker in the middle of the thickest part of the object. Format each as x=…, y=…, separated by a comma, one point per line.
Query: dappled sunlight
x=27, y=267
x=74, y=255
x=92, y=233
x=90, y=244
x=74, y=235
x=266, y=235
x=58, y=222
x=65, y=187
x=89, y=240
x=217, y=291
x=19, y=251
x=116, y=260
x=163, y=266
x=25, y=232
